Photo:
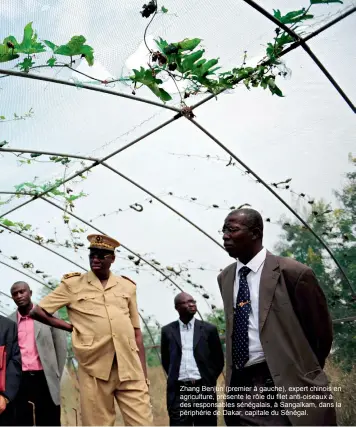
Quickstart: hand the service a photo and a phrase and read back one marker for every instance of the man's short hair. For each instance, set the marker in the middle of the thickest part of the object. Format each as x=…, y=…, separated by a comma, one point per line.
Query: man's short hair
x=253, y=218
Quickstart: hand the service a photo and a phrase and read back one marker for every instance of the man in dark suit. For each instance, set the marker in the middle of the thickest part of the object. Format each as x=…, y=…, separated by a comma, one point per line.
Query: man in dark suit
x=193, y=359
x=8, y=338
x=278, y=332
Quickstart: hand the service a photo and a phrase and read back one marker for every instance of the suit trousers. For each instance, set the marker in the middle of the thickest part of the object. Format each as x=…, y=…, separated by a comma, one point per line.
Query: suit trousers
x=34, y=404
x=7, y=418
x=97, y=400
x=254, y=406
x=192, y=406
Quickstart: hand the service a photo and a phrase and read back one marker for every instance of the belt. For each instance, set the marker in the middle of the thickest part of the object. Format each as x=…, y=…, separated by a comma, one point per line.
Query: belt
x=32, y=373
x=257, y=367
x=190, y=382
x=257, y=373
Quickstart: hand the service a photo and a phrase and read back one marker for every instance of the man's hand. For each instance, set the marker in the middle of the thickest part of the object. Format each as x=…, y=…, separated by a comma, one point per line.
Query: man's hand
x=3, y=404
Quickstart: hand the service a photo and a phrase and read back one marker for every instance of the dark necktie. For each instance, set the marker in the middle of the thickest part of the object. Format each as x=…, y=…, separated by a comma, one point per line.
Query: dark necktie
x=240, y=341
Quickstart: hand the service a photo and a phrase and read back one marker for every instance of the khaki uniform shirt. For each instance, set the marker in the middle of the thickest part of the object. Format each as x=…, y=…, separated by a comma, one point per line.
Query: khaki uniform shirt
x=103, y=322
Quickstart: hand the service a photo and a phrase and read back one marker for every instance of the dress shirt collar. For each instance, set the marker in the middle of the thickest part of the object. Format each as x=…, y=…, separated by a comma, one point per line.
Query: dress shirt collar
x=189, y=325
x=20, y=316
x=255, y=263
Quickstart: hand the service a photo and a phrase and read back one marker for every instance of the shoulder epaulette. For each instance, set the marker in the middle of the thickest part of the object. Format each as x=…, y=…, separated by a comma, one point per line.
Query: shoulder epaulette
x=127, y=278
x=69, y=275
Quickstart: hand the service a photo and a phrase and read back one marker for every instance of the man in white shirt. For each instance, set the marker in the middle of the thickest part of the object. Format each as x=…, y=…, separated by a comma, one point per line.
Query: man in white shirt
x=193, y=359
x=278, y=332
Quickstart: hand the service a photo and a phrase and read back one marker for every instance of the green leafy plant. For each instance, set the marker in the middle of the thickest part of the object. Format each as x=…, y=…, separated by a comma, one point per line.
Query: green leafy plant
x=184, y=61
x=74, y=47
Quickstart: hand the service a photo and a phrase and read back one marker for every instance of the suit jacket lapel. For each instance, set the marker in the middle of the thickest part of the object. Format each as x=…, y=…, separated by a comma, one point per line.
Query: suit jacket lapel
x=197, y=332
x=228, y=289
x=37, y=326
x=176, y=333
x=268, y=282
x=13, y=316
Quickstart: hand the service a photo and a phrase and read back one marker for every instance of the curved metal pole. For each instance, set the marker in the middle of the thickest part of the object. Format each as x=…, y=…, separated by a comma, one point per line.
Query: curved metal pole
x=87, y=87
x=164, y=204
x=1, y=292
x=42, y=246
x=92, y=226
x=49, y=153
x=49, y=287
x=25, y=274
x=80, y=172
x=307, y=49
x=278, y=197
x=177, y=116
x=124, y=177
x=287, y=50
x=125, y=247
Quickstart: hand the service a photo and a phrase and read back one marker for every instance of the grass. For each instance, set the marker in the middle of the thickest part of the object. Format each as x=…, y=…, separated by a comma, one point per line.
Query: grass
x=346, y=382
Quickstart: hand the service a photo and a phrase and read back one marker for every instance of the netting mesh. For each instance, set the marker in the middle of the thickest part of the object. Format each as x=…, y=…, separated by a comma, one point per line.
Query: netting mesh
x=305, y=136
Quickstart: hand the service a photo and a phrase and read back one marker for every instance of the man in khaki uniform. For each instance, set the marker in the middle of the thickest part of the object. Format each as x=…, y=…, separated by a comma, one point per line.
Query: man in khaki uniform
x=106, y=336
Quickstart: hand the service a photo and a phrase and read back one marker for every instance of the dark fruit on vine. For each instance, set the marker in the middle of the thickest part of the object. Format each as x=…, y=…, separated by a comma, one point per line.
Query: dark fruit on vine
x=148, y=9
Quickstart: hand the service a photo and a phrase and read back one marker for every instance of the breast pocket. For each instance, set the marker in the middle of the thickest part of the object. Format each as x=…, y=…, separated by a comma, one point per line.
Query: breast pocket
x=119, y=300
x=86, y=302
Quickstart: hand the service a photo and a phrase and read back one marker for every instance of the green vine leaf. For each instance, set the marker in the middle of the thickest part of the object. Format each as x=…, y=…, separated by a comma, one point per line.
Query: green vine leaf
x=7, y=222
x=164, y=10
x=73, y=197
x=3, y=143
x=19, y=225
x=6, y=54
x=50, y=45
x=51, y=62
x=162, y=45
x=188, y=44
x=26, y=64
x=275, y=90
x=292, y=17
x=74, y=47
x=25, y=186
x=29, y=44
x=146, y=77
x=189, y=60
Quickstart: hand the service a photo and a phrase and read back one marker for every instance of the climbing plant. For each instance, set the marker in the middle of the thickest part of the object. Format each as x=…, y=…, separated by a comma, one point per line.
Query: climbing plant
x=184, y=61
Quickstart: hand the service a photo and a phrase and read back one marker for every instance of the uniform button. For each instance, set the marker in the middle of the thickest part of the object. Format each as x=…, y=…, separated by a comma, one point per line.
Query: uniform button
x=113, y=335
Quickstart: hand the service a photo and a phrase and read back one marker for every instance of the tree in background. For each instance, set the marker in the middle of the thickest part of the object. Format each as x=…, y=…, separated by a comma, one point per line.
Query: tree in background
x=337, y=227
x=154, y=334
x=217, y=318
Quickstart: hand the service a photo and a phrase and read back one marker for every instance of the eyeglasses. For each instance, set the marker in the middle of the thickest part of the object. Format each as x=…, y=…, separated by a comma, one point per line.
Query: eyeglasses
x=229, y=230
x=99, y=256
x=191, y=301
